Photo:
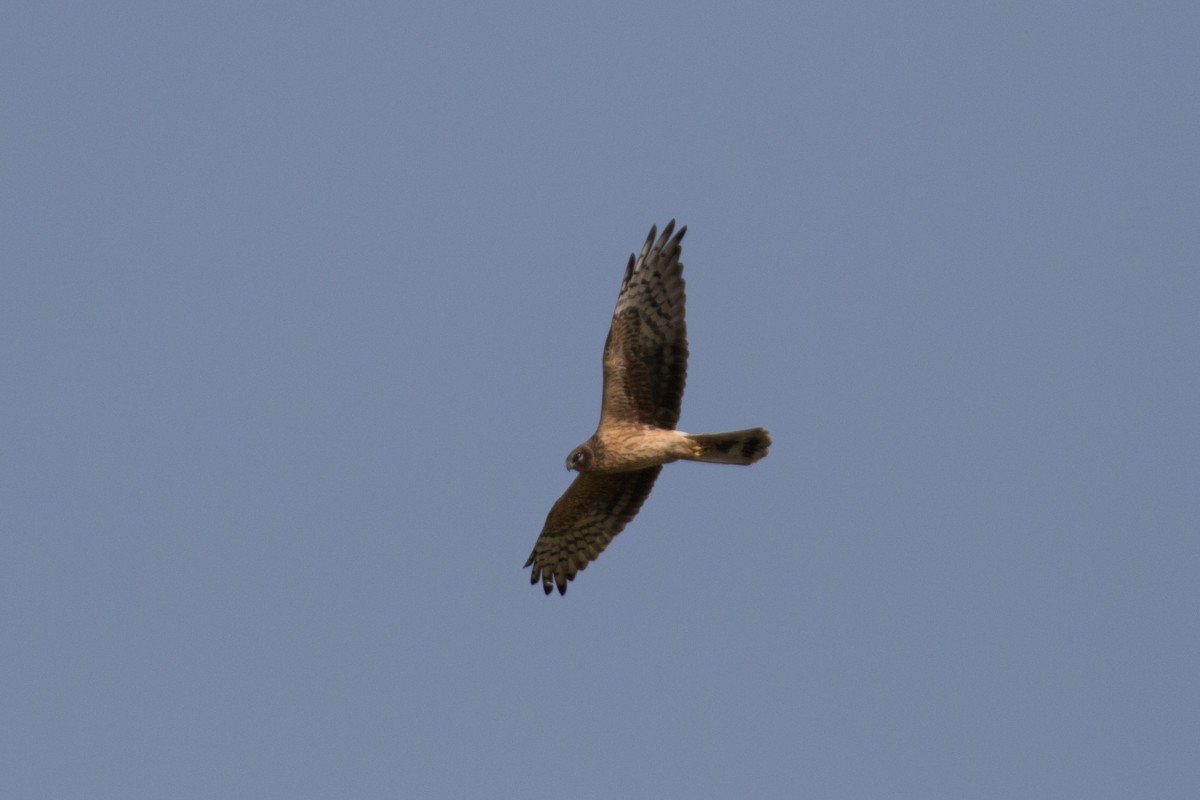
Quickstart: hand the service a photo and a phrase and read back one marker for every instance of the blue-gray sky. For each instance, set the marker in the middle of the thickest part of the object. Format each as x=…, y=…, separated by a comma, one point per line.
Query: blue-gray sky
x=302, y=309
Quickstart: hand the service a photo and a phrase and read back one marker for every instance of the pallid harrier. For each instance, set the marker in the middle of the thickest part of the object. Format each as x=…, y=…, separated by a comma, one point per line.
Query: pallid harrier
x=645, y=366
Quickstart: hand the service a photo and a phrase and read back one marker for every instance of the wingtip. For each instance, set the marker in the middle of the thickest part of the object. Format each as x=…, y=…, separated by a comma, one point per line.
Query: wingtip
x=667, y=240
x=549, y=580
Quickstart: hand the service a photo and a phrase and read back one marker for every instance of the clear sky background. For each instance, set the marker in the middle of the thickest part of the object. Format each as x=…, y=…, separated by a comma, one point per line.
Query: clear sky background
x=302, y=309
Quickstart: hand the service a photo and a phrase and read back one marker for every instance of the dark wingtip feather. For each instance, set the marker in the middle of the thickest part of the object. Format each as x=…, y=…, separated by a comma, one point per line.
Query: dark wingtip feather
x=666, y=243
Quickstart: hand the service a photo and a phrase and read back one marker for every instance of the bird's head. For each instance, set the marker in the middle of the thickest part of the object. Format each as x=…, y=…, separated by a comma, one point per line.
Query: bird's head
x=580, y=458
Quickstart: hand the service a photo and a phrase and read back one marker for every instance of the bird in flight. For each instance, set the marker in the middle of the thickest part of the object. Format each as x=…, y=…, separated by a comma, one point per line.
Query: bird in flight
x=645, y=367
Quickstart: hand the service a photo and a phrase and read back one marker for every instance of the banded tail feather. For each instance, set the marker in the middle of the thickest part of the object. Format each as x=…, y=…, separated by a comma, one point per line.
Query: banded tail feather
x=734, y=447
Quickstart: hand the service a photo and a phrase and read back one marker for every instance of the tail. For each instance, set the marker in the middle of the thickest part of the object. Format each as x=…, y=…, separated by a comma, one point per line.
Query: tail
x=735, y=447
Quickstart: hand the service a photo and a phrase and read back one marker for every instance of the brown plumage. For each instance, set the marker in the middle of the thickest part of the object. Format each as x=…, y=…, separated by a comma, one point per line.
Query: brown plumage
x=645, y=368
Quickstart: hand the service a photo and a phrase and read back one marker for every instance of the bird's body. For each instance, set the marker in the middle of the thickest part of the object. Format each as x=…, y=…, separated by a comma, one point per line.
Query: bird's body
x=645, y=368
x=621, y=448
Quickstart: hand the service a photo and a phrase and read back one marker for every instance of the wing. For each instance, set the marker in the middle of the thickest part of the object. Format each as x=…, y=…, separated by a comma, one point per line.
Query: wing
x=594, y=509
x=645, y=355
